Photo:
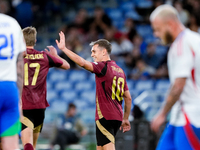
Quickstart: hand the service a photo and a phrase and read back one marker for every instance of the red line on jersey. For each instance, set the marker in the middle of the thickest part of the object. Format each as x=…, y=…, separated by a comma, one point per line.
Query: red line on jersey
x=193, y=70
x=193, y=53
x=191, y=136
x=193, y=78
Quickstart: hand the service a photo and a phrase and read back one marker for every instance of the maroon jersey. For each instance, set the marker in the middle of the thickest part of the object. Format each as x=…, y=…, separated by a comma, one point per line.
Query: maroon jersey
x=110, y=87
x=36, y=67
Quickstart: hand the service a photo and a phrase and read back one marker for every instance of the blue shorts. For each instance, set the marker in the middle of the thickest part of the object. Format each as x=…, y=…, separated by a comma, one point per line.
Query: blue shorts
x=180, y=138
x=9, y=109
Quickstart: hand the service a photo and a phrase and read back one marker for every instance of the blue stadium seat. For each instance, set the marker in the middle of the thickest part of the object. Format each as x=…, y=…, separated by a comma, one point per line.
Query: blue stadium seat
x=144, y=85
x=134, y=93
x=80, y=104
x=161, y=50
x=114, y=13
x=133, y=14
x=144, y=30
x=144, y=4
x=89, y=96
x=150, y=38
x=88, y=115
x=127, y=6
x=130, y=84
x=83, y=85
x=57, y=75
x=79, y=75
x=52, y=95
x=49, y=85
x=162, y=85
x=58, y=106
x=118, y=23
x=63, y=85
x=69, y=95
x=92, y=77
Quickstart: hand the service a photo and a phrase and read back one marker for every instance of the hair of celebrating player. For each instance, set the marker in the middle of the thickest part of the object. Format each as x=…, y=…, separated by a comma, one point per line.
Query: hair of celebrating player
x=30, y=35
x=164, y=12
x=103, y=43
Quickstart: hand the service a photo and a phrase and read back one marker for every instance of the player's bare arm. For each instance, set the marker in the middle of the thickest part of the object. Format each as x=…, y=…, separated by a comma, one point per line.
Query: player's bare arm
x=173, y=96
x=20, y=71
x=53, y=52
x=74, y=57
x=127, y=109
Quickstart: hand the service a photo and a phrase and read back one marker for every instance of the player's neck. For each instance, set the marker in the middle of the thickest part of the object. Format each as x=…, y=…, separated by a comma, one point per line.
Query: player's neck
x=178, y=30
x=106, y=58
x=30, y=47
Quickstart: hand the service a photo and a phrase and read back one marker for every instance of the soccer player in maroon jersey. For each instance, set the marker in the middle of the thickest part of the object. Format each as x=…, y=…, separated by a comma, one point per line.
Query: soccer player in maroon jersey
x=111, y=88
x=34, y=103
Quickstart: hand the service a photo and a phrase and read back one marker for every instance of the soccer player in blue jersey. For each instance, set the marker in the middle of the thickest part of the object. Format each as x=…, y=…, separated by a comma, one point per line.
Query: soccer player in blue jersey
x=12, y=46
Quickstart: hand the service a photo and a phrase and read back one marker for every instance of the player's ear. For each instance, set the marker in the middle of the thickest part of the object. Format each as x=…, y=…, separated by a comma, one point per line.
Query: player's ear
x=104, y=52
x=35, y=41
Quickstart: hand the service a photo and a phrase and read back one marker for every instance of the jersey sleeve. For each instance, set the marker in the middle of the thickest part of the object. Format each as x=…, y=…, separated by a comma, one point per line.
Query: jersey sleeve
x=183, y=60
x=53, y=61
x=99, y=68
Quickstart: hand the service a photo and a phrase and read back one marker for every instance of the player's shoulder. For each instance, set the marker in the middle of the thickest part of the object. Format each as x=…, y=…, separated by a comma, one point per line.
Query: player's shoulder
x=191, y=36
x=33, y=51
x=115, y=67
x=9, y=24
x=113, y=63
x=8, y=19
x=100, y=63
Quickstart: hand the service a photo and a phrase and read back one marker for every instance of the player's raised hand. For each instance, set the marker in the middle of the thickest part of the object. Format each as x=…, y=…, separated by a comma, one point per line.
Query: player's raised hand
x=61, y=43
x=52, y=50
x=125, y=125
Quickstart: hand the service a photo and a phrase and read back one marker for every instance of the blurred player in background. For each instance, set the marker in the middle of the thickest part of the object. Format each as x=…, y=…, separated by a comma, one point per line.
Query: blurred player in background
x=111, y=88
x=34, y=103
x=12, y=46
x=183, y=131
x=70, y=130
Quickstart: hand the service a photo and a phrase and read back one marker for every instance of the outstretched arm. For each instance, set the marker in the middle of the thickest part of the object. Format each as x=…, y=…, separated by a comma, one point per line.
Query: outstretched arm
x=74, y=57
x=53, y=52
x=127, y=108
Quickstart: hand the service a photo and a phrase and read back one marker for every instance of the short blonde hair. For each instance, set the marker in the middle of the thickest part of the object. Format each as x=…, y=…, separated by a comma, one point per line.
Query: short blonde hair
x=164, y=12
x=30, y=35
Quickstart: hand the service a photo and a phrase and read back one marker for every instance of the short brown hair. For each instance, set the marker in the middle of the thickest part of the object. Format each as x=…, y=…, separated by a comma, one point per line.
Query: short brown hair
x=30, y=35
x=103, y=43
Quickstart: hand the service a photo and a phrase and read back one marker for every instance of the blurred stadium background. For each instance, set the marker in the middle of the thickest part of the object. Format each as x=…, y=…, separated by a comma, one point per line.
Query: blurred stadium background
x=125, y=23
